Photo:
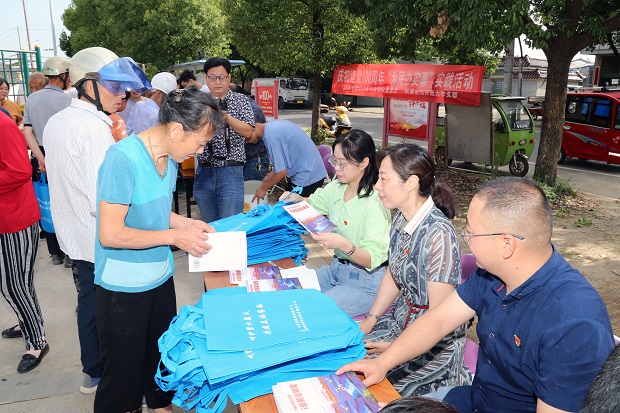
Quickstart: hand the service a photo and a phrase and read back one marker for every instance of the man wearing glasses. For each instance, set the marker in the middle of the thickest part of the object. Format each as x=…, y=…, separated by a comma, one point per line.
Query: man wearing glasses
x=218, y=186
x=544, y=330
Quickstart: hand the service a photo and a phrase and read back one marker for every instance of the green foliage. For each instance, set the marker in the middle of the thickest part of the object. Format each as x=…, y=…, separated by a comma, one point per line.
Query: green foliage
x=561, y=189
x=583, y=222
x=321, y=135
x=295, y=37
x=157, y=32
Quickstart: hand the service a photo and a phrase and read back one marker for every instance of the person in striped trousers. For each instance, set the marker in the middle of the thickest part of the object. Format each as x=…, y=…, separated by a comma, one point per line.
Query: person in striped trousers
x=19, y=240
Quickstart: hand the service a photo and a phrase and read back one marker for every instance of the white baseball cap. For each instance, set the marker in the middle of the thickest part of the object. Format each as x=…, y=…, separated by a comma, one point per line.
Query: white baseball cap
x=166, y=82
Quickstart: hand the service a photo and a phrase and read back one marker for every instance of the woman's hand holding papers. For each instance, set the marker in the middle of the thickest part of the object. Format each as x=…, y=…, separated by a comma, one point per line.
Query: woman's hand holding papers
x=191, y=238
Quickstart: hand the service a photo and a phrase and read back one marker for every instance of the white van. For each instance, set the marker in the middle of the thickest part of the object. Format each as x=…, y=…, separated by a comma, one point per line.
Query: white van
x=291, y=90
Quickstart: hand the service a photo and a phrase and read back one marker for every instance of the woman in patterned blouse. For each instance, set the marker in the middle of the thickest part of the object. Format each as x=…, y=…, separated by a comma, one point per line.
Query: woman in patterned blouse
x=424, y=268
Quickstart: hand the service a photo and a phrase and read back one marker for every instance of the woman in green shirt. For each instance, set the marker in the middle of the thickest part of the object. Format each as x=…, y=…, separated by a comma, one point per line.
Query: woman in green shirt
x=361, y=238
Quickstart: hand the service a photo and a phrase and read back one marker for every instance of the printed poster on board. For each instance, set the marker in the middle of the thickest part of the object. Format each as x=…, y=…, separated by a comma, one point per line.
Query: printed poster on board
x=408, y=118
x=267, y=97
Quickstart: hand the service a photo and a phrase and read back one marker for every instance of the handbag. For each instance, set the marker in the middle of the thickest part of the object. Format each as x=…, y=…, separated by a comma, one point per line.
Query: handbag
x=42, y=191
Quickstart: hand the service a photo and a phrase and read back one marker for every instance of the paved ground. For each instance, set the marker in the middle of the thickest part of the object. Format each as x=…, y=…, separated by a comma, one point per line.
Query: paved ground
x=54, y=385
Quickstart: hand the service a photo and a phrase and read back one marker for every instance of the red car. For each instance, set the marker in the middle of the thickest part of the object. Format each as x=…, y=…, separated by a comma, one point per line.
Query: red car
x=536, y=111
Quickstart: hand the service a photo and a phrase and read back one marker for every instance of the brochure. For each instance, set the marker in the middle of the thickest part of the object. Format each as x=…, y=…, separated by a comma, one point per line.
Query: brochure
x=329, y=394
x=309, y=217
x=229, y=251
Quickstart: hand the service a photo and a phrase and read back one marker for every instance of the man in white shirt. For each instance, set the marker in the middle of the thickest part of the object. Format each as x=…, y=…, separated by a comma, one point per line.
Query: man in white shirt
x=76, y=140
x=146, y=114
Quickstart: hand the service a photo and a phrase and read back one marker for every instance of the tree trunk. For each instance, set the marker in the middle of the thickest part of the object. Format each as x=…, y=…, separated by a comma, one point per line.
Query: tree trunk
x=316, y=101
x=558, y=60
x=318, y=34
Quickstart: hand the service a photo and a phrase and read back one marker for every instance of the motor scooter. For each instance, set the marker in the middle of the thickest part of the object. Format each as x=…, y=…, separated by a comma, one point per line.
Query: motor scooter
x=338, y=125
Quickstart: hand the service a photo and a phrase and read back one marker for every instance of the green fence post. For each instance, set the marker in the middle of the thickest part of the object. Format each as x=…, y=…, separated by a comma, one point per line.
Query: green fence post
x=37, y=50
x=25, y=73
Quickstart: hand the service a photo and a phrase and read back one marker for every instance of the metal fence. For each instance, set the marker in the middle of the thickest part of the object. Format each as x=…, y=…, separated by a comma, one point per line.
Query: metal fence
x=16, y=68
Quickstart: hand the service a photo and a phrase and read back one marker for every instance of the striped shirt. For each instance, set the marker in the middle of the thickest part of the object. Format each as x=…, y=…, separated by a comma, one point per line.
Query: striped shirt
x=75, y=140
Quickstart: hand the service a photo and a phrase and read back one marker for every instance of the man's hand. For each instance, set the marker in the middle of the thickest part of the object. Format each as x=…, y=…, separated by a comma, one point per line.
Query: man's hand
x=260, y=194
x=372, y=369
x=41, y=161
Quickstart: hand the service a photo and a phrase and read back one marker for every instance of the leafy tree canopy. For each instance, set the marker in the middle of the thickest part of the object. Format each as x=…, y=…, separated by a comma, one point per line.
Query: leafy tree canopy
x=297, y=36
x=157, y=32
x=561, y=28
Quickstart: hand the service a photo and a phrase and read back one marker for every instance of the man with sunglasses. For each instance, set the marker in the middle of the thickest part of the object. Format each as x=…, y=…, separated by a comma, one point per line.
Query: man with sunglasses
x=40, y=107
x=218, y=185
x=544, y=330
x=76, y=140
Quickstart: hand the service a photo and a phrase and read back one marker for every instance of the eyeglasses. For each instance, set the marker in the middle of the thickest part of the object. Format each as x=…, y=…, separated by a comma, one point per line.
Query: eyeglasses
x=214, y=78
x=337, y=164
x=466, y=236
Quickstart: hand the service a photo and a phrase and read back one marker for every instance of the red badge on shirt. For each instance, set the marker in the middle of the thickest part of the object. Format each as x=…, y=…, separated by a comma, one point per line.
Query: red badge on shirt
x=517, y=341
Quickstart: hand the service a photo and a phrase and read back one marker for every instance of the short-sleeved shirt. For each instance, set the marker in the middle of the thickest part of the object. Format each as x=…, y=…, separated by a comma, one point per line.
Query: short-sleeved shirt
x=41, y=106
x=291, y=149
x=363, y=221
x=128, y=108
x=119, y=129
x=545, y=340
x=128, y=176
x=13, y=109
x=253, y=149
x=228, y=144
x=144, y=115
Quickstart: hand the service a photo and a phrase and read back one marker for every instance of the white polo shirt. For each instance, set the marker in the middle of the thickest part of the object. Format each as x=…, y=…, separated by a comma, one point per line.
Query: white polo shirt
x=76, y=140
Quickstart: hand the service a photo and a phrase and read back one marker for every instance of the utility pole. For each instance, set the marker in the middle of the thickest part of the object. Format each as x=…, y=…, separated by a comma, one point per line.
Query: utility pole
x=53, y=29
x=27, y=28
x=508, y=67
x=19, y=37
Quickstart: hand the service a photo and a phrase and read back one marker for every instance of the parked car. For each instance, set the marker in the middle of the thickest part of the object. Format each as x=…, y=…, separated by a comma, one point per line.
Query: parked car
x=592, y=127
x=536, y=110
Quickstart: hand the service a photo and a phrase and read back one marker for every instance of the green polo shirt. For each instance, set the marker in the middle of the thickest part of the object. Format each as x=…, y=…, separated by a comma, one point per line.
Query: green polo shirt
x=363, y=221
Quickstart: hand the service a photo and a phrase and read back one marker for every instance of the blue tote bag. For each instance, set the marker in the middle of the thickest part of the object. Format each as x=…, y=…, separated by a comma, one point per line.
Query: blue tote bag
x=42, y=191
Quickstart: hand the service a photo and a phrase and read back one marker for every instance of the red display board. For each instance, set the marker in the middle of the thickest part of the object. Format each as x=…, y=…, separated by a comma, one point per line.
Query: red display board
x=267, y=97
x=449, y=84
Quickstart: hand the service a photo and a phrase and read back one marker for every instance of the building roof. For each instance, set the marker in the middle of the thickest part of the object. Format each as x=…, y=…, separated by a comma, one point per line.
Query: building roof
x=529, y=62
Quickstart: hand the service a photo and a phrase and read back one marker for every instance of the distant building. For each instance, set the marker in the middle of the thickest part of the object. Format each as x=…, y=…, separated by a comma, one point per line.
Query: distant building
x=606, y=66
x=533, y=74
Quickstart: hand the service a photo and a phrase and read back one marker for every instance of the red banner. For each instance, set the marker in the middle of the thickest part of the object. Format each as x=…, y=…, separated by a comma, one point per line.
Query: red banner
x=267, y=97
x=450, y=84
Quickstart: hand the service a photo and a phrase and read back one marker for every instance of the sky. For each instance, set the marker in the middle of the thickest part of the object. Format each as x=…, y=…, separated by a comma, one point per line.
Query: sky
x=39, y=22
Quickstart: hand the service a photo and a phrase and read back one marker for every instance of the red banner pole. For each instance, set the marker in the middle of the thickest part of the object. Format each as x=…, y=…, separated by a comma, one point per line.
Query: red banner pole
x=430, y=130
x=386, y=122
x=275, y=99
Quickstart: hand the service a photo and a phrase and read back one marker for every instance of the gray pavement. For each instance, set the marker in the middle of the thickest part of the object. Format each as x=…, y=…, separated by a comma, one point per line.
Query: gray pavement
x=54, y=385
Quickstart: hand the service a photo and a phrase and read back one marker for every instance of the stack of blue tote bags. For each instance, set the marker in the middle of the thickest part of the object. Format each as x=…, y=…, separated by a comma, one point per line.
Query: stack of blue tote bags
x=272, y=233
x=238, y=345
